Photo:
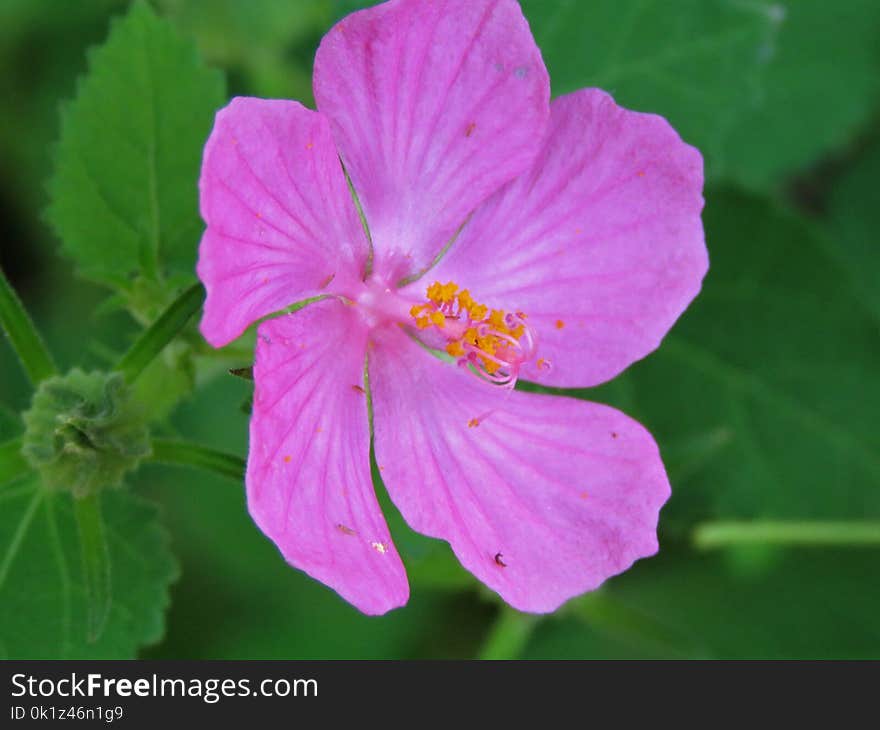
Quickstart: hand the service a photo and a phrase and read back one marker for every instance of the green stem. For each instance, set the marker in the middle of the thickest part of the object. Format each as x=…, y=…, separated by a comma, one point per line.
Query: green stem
x=23, y=336
x=154, y=339
x=713, y=535
x=96, y=562
x=182, y=453
x=509, y=635
x=12, y=462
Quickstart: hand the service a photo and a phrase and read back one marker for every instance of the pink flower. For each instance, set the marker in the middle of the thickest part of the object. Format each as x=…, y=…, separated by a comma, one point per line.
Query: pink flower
x=577, y=244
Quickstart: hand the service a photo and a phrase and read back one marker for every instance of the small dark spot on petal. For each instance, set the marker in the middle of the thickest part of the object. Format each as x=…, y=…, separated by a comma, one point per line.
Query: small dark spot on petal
x=521, y=72
x=470, y=129
x=345, y=530
x=358, y=389
x=326, y=282
x=499, y=560
x=614, y=434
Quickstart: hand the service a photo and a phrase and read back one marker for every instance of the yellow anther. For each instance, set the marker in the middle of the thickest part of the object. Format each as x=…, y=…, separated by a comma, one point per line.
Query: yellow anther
x=447, y=292
x=470, y=335
x=487, y=344
x=496, y=319
x=438, y=318
x=423, y=323
x=478, y=311
x=417, y=309
x=456, y=349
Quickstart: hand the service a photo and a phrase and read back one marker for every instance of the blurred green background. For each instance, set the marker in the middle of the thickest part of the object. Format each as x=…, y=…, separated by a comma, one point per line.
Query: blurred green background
x=764, y=399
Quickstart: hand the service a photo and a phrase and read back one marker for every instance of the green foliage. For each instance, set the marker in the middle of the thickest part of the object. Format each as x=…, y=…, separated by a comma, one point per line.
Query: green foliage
x=83, y=432
x=266, y=45
x=45, y=599
x=821, y=85
x=124, y=197
x=699, y=63
x=854, y=219
x=814, y=604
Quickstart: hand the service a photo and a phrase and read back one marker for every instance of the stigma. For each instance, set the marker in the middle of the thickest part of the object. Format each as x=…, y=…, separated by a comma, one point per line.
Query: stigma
x=490, y=343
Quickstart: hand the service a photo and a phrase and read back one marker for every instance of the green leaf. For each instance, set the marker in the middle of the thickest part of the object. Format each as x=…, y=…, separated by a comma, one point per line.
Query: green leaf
x=12, y=462
x=815, y=604
x=764, y=398
x=44, y=594
x=821, y=85
x=699, y=63
x=854, y=220
x=124, y=197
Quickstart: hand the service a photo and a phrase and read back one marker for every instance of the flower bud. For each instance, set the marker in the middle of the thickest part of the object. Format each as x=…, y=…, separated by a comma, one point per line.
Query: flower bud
x=83, y=432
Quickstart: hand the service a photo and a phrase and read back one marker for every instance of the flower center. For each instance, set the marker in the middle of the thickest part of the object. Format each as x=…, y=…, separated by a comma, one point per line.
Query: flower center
x=490, y=343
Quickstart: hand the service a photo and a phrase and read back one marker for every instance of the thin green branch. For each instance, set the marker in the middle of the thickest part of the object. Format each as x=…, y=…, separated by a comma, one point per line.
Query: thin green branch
x=154, y=339
x=182, y=453
x=712, y=535
x=96, y=562
x=509, y=635
x=23, y=336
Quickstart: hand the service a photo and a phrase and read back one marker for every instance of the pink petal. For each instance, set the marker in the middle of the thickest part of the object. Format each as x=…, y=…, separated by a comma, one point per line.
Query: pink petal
x=601, y=243
x=281, y=220
x=434, y=105
x=543, y=500
x=308, y=474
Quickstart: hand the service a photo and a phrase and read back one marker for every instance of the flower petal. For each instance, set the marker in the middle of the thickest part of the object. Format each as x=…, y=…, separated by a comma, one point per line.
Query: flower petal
x=308, y=474
x=281, y=220
x=541, y=497
x=601, y=243
x=433, y=106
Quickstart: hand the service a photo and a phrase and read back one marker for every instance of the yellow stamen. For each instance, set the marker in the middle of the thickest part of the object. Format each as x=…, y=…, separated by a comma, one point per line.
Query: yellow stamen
x=445, y=302
x=455, y=348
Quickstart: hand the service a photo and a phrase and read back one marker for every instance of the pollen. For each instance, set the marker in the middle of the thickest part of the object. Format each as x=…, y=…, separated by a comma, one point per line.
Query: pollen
x=559, y=324
x=491, y=343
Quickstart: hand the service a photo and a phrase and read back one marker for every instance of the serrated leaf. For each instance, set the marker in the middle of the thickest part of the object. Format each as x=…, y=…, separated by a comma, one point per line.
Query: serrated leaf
x=821, y=85
x=44, y=598
x=123, y=196
x=764, y=396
